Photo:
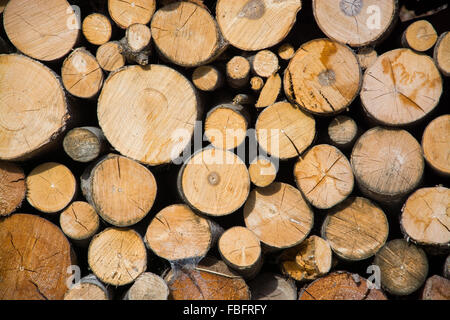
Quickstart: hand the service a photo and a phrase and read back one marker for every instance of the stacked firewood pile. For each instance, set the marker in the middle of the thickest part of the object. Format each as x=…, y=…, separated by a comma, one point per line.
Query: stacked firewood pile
x=230, y=149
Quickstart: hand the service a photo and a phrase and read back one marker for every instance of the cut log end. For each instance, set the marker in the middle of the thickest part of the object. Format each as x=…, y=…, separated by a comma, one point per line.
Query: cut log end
x=278, y=207
x=420, y=36
x=435, y=139
x=324, y=170
x=285, y=131
x=97, y=29
x=84, y=144
x=124, y=259
x=208, y=176
x=269, y=92
x=391, y=170
x=136, y=45
x=264, y=63
x=79, y=221
x=226, y=127
x=342, y=131
x=323, y=77
x=307, y=261
x=256, y=83
x=238, y=71
x=29, y=27
x=436, y=288
x=403, y=267
x=356, y=229
x=207, y=78
x=33, y=101
x=126, y=12
x=148, y=286
x=51, y=187
x=392, y=95
x=158, y=108
x=165, y=239
x=210, y=280
x=441, y=53
x=270, y=286
x=355, y=22
x=286, y=51
x=12, y=187
x=240, y=249
x=425, y=219
x=366, y=57
x=88, y=288
x=262, y=171
x=109, y=56
x=81, y=74
x=121, y=190
x=341, y=285
x=34, y=259
x=256, y=24
x=186, y=34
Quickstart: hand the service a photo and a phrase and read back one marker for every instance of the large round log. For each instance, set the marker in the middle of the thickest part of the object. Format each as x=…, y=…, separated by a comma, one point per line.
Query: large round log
x=131, y=117
x=394, y=95
x=42, y=29
x=35, y=257
x=32, y=100
x=356, y=22
x=392, y=169
x=256, y=24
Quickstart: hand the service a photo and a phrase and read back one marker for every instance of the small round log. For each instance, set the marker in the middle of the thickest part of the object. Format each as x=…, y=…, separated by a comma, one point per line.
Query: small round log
x=51, y=187
x=262, y=171
x=390, y=171
x=278, y=207
x=117, y=256
x=323, y=77
x=85, y=144
x=342, y=132
x=97, y=29
x=214, y=181
x=226, y=126
x=436, y=288
x=403, y=267
x=324, y=170
x=264, y=63
x=355, y=229
x=286, y=51
x=366, y=57
x=238, y=72
x=79, y=221
x=177, y=233
x=419, y=36
x=240, y=249
x=121, y=190
x=88, y=288
x=284, y=131
x=308, y=261
x=109, y=56
x=256, y=83
x=136, y=45
x=269, y=92
x=81, y=74
x=207, y=78
x=148, y=286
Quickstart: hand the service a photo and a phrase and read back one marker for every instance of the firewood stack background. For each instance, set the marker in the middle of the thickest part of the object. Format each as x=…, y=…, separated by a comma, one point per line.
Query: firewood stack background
x=231, y=149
